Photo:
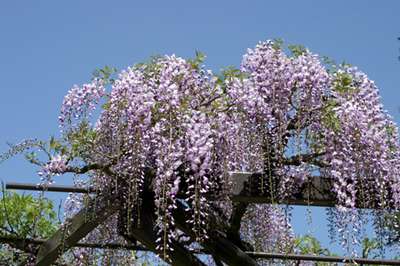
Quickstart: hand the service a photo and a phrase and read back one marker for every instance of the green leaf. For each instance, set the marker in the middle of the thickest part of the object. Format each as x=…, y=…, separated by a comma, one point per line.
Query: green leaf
x=26, y=216
x=198, y=60
x=297, y=50
x=329, y=117
x=105, y=74
x=277, y=43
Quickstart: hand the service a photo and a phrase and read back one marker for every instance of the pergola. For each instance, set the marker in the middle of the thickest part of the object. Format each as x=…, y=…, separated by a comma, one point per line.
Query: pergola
x=226, y=248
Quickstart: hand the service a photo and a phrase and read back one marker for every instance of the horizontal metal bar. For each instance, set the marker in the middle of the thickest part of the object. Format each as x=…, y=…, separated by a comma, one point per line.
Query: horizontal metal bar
x=297, y=257
x=257, y=255
x=50, y=188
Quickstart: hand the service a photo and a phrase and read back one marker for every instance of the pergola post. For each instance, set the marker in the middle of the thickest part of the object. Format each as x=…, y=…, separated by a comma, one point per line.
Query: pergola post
x=76, y=228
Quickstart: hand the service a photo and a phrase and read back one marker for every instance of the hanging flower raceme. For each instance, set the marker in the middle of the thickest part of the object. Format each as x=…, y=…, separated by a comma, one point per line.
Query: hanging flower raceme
x=276, y=237
x=80, y=102
x=282, y=98
x=270, y=82
x=363, y=146
x=198, y=146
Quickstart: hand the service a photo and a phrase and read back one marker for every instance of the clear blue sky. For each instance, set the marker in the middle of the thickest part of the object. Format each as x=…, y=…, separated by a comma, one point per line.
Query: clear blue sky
x=47, y=46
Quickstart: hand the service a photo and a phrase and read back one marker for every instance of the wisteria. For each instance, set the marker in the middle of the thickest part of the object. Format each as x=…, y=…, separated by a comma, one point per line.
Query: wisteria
x=56, y=166
x=80, y=102
x=199, y=144
x=173, y=130
x=279, y=232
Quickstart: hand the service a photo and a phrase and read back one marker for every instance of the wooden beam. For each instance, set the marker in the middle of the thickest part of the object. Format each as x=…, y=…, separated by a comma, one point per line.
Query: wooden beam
x=75, y=229
x=95, y=214
x=146, y=235
x=315, y=192
x=38, y=241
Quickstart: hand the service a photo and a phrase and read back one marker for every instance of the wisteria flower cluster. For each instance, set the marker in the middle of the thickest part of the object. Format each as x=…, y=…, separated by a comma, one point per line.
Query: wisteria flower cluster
x=56, y=166
x=80, y=102
x=175, y=129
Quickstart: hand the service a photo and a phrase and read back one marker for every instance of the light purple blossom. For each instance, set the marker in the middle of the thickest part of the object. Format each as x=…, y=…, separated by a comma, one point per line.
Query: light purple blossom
x=56, y=166
x=80, y=102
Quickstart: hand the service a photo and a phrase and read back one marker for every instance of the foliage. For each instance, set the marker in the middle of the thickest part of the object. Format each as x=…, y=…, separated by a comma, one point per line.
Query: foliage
x=297, y=50
x=309, y=245
x=392, y=226
x=23, y=216
x=370, y=248
x=26, y=216
x=105, y=74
